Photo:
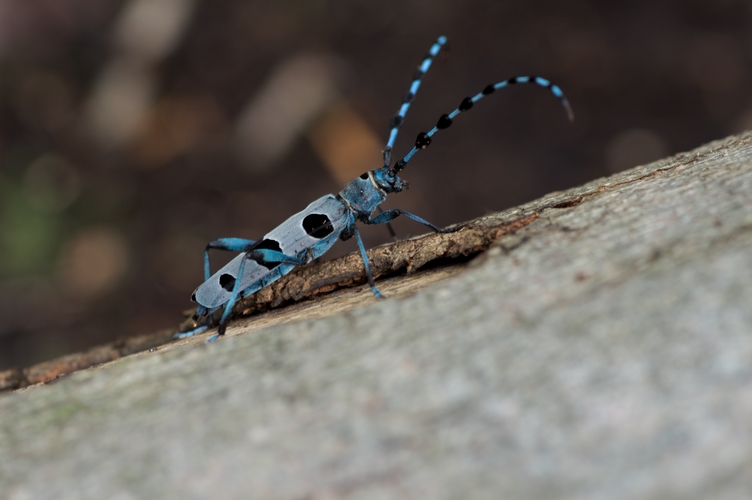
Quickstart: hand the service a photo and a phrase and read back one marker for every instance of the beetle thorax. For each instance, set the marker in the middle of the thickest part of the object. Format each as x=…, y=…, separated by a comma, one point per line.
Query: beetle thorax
x=363, y=195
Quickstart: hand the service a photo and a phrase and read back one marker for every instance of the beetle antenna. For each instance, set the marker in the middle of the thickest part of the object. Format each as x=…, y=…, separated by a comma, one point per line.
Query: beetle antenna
x=409, y=97
x=424, y=138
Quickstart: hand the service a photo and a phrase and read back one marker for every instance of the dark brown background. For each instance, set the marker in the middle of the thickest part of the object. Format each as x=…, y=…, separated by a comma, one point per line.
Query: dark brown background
x=102, y=225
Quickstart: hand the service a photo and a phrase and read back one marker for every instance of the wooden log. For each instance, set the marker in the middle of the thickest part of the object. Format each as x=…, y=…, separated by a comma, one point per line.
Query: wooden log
x=601, y=347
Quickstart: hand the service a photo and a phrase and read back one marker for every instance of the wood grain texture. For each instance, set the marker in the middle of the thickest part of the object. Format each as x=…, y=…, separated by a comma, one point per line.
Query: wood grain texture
x=602, y=349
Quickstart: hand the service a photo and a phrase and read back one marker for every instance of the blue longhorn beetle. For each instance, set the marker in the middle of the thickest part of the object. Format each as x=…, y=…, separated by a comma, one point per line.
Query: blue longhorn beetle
x=311, y=232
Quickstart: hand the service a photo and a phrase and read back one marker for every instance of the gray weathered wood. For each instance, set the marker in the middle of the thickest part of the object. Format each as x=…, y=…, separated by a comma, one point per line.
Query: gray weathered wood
x=603, y=350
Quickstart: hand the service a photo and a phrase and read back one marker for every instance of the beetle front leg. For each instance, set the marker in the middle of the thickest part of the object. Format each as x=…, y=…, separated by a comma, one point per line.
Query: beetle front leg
x=389, y=215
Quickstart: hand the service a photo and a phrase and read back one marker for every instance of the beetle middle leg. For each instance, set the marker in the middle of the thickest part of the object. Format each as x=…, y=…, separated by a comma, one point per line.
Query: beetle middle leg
x=367, y=264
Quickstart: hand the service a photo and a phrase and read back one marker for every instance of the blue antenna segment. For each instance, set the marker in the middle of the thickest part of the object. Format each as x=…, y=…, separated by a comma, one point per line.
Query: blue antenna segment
x=399, y=118
x=445, y=121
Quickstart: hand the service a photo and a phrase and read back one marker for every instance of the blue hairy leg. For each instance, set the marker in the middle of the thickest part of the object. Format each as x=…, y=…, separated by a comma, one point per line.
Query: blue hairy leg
x=227, y=244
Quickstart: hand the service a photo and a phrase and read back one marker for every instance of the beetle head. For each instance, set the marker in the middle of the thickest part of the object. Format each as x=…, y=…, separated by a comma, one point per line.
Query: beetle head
x=388, y=180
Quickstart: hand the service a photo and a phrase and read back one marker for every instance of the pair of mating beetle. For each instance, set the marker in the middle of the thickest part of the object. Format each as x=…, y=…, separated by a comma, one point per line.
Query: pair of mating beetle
x=311, y=232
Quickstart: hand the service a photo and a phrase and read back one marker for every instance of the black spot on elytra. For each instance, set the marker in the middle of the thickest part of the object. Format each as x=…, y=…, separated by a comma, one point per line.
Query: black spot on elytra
x=268, y=245
x=364, y=176
x=227, y=281
x=317, y=225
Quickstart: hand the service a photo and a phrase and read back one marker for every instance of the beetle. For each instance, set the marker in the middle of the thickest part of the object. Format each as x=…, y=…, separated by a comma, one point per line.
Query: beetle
x=311, y=232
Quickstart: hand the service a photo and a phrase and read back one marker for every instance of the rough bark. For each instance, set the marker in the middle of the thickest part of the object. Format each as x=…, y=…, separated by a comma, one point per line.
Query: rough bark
x=600, y=348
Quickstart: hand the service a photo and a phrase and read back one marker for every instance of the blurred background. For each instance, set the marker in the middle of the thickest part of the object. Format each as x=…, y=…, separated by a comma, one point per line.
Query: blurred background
x=134, y=131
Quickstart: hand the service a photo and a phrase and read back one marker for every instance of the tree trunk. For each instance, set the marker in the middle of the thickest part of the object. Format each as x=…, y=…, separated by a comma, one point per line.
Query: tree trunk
x=601, y=347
